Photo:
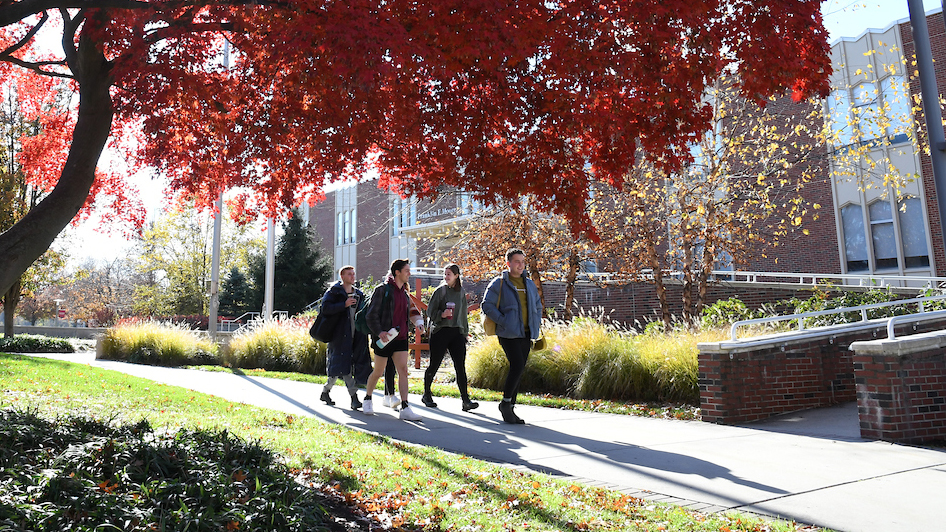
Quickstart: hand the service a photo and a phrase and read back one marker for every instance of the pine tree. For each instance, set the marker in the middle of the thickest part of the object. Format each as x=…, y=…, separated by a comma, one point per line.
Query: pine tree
x=235, y=294
x=301, y=269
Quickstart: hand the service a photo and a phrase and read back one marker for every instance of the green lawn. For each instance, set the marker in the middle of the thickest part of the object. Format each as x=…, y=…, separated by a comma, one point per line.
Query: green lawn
x=402, y=487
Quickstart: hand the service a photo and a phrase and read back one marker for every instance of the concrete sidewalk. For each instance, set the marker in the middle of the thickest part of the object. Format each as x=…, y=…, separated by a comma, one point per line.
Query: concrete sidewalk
x=811, y=467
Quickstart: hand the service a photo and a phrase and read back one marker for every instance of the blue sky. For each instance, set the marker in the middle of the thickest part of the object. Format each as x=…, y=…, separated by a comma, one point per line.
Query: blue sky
x=846, y=18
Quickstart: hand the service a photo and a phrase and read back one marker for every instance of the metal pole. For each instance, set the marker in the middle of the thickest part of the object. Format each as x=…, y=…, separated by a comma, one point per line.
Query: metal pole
x=215, y=252
x=215, y=270
x=270, y=268
x=930, y=93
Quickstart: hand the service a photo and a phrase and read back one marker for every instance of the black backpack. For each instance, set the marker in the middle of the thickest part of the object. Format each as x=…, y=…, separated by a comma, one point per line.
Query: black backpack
x=361, y=317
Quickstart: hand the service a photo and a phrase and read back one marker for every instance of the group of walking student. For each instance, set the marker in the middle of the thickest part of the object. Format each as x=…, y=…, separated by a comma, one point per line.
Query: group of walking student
x=511, y=301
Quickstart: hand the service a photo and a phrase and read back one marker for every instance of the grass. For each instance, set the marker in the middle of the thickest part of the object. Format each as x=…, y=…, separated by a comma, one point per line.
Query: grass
x=589, y=361
x=157, y=344
x=277, y=346
x=400, y=486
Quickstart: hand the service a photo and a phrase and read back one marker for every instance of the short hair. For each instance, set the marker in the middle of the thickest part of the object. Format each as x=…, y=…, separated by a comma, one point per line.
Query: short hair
x=399, y=265
x=343, y=268
x=514, y=251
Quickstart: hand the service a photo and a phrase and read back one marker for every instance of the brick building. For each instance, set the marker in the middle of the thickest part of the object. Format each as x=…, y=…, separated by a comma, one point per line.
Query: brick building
x=863, y=227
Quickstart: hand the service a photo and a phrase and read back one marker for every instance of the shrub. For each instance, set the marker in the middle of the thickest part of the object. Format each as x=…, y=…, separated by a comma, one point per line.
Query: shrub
x=79, y=473
x=725, y=312
x=585, y=359
x=157, y=344
x=29, y=343
x=277, y=346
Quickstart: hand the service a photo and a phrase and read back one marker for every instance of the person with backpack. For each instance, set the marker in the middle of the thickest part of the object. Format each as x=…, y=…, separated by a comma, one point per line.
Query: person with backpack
x=388, y=316
x=512, y=301
x=347, y=345
x=449, y=327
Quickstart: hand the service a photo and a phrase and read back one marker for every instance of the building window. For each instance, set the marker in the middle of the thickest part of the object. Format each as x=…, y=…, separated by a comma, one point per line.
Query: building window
x=913, y=233
x=855, y=241
x=898, y=112
x=404, y=215
x=867, y=111
x=839, y=113
x=339, y=230
x=882, y=235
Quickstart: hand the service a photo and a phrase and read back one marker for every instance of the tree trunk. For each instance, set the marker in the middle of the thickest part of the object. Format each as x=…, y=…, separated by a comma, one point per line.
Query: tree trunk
x=32, y=235
x=662, y=299
x=570, y=278
x=10, y=300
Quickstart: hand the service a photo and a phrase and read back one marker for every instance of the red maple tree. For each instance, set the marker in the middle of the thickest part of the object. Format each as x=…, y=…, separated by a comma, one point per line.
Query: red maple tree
x=506, y=98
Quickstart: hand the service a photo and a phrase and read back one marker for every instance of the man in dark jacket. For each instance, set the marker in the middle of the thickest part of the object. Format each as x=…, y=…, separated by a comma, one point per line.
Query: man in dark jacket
x=347, y=346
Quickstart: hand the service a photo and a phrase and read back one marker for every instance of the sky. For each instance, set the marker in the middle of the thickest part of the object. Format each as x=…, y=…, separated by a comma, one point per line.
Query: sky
x=842, y=18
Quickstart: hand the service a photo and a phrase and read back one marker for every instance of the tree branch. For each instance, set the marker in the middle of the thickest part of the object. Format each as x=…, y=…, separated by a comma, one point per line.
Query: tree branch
x=38, y=66
x=26, y=38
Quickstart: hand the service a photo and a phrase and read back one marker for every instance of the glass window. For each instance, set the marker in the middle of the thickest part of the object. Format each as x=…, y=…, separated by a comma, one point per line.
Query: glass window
x=897, y=100
x=339, y=230
x=855, y=240
x=396, y=216
x=867, y=111
x=913, y=234
x=882, y=235
x=839, y=104
x=347, y=227
x=354, y=225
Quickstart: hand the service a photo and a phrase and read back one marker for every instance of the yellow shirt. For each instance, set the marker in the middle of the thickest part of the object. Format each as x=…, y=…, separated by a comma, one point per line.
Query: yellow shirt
x=520, y=284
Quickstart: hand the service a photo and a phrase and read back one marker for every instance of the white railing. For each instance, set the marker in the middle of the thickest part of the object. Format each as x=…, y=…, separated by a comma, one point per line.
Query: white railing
x=862, y=309
x=805, y=279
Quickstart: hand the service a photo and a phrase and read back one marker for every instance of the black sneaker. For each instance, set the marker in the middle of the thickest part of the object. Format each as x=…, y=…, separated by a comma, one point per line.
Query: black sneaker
x=355, y=403
x=505, y=408
x=326, y=399
x=470, y=405
x=428, y=401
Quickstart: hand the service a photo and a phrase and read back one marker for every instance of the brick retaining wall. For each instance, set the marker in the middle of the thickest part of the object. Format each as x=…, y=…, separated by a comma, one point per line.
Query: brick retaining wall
x=901, y=388
x=742, y=384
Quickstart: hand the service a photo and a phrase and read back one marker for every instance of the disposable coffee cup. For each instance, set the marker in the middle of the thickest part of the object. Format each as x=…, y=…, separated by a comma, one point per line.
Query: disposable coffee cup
x=450, y=307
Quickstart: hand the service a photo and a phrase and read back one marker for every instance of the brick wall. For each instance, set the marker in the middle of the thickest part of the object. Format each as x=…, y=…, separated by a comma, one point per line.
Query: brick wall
x=743, y=384
x=901, y=396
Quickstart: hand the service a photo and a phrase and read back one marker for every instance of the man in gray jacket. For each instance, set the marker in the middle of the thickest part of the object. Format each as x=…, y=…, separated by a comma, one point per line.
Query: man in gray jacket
x=512, y=301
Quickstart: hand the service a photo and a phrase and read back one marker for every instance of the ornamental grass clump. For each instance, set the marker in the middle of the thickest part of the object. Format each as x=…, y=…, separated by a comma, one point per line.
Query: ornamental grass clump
x=156, y=344
x=277, y=345
x=585, y=359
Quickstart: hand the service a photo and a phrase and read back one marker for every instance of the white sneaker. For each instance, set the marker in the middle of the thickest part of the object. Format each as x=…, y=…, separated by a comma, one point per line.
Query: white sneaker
x=390, y=401
x=367, y=407
x=408, y=414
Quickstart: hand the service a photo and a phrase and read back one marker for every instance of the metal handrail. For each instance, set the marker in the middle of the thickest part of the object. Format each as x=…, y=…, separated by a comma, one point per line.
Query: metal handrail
x=861, y=308
x=894, y=320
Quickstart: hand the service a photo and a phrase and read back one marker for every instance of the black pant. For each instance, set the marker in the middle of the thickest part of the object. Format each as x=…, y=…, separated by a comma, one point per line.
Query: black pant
x=517, y=352
x=448, y=338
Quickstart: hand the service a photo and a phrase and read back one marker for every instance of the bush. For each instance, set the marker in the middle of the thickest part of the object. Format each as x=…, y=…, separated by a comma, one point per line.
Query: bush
x=30, y=343
x=157, y=344
x=724, y=313
x=587, y=360
x=79, y=473
x=277, y=346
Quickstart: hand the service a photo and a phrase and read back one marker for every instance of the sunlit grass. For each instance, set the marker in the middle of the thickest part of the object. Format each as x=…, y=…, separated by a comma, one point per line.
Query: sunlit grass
x=399, y=485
